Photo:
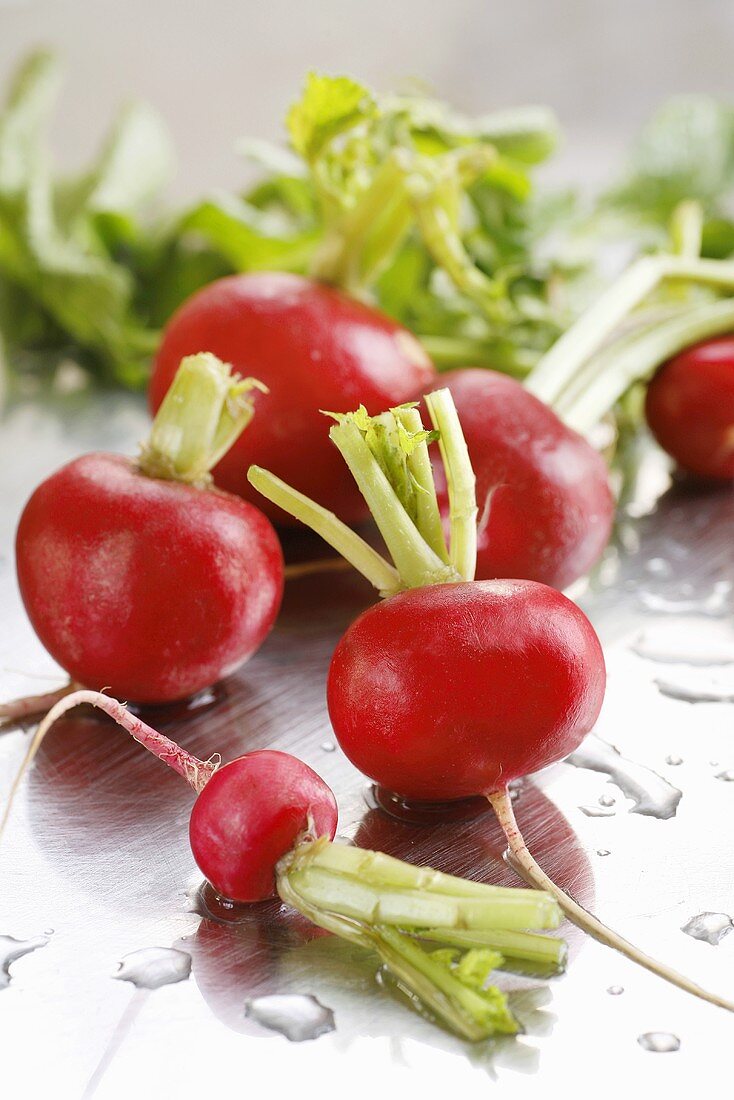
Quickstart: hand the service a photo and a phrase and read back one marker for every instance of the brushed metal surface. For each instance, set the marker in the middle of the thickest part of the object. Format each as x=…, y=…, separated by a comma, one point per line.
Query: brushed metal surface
x=97, y=850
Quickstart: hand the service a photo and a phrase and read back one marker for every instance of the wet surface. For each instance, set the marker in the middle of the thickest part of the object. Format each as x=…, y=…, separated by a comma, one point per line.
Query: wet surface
x=97, y=846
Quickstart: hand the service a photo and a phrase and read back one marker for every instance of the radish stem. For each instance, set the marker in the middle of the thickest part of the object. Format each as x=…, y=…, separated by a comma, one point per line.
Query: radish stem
x=205, y=410
x=343, y=539
x=532, y=873
x=428, y=517
x=461, y=483
x=559, y=366
x=300, y=569
x=526, y=946
x=196, y=772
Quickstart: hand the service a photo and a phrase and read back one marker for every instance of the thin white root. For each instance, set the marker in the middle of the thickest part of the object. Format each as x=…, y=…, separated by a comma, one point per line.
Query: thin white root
x=536, y=876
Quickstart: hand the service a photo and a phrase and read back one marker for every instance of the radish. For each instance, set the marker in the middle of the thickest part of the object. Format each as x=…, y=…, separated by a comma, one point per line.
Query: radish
x=138, y=575
x=263, y=824
x=450, y=687
x=545, y=506
x=690, y=408
x=314, y=348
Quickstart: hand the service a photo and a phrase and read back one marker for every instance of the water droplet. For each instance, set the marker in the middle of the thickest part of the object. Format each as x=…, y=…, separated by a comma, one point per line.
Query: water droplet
x=659, y=1042
x=328, y=746
x=299, y=1017
x=607, y=800
x=48, y=931
x=710, y=691
x=652, y=795
x=12, y=949
x=615, y=990
x=713, y=604
x=673, y=760
x=667, y=649
x=709, y=927
x=713, y=763
x=153, y=967
x=603, y=852
x=659, y=567
x=726, y=776
x=598, y=811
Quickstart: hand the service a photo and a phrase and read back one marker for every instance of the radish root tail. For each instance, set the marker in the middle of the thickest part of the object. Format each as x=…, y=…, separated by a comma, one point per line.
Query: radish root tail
x=535, y=876
x=196, y=772
x=31, y=705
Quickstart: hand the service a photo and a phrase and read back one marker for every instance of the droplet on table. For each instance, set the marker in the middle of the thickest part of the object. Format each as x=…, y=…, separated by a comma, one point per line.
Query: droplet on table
x=709, y=927
x=153, y=967
x=297, y=1016
x=659, y=1042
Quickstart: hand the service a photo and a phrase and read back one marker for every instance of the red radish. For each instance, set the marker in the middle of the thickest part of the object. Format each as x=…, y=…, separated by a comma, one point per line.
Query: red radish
x=690, y=408
x=314, y=348
x=447, y=690
x=262, y=825
x=509, y=673
x=139, y=580
x=545, y=506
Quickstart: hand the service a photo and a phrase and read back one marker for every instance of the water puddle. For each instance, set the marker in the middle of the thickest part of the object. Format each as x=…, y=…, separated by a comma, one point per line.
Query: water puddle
x=153, y=967
x=298, y=1016
x=709, y=927
x=652, y=795
x=695, y=690
x=659, y=1042
x=12, y=949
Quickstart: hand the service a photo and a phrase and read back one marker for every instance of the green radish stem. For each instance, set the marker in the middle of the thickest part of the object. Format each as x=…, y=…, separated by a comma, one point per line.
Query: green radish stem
x=525, y=863
x=205, y=410
x=558, y=367
x=394, y=478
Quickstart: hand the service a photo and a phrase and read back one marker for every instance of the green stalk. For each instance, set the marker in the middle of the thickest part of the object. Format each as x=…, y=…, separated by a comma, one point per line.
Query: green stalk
x=205, y=410
x=463, y=1009
x=406, y=908
x=458, y=351
x=349, y=255
x=637, y=358
x=559, y=366
x=379, y=869
x=414, y=559
x=525, y=946
x=686, y=229
x=343, y=539
x=461, y=483
x=428, y=519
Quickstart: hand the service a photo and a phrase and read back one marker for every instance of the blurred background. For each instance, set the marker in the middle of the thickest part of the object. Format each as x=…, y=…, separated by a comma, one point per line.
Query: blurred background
x=226, y=68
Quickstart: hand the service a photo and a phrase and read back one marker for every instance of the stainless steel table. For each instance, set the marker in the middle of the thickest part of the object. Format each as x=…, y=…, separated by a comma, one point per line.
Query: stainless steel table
x=97, y=852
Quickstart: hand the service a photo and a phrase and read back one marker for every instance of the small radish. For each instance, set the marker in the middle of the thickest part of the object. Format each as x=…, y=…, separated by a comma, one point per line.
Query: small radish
x=138, y=575
x=314, y=348
x=262, y=825
x=690, y=408
x=545, y=506
x=452, y=687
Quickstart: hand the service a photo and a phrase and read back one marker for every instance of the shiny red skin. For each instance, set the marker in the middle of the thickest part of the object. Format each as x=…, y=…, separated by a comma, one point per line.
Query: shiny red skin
x=314, y=348
x=453, y=690
x=152, y=589
x=545, y=506
x=251, y=812
x=690, y=408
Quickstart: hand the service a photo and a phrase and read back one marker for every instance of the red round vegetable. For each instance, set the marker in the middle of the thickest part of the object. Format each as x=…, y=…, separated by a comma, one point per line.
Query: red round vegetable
x=690, y=408
x=152, y=588
x=469, y=686
x=249, y=814
x=545, y=506
x=137, y=575
x=314, y=348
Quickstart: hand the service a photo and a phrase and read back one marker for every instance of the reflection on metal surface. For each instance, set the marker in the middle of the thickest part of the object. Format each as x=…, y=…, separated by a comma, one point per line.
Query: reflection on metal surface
x=97, y=848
